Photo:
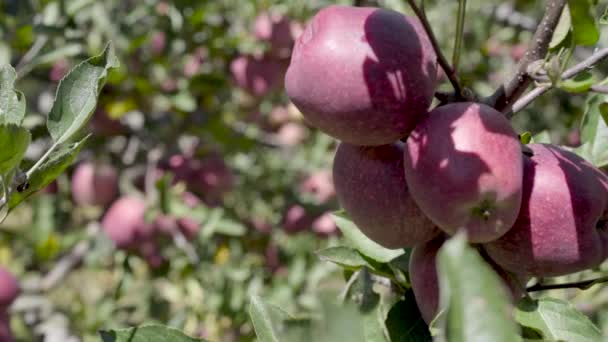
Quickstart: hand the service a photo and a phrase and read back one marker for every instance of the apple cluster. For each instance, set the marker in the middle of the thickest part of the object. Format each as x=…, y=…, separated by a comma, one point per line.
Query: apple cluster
x=410, y=175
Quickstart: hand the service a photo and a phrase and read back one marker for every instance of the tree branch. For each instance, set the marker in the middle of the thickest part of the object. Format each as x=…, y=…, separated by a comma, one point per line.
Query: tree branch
x=571, y=72
x=510, y=91
x=583, y=285
x=443, y=62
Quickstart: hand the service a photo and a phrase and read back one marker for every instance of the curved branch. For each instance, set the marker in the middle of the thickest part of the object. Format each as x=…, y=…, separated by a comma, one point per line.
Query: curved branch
x=525, y=100
x=510, y=91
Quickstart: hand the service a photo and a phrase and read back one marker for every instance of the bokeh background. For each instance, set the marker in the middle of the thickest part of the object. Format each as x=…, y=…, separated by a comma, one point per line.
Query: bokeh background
x=194, y=134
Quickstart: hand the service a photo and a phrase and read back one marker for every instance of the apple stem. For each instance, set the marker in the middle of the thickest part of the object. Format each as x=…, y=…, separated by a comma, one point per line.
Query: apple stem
x=582, y=285
x=443, y=62
x=504, y=97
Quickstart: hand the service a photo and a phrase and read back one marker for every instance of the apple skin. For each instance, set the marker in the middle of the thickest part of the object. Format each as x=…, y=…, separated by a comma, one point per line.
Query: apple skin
x=94, y=185
x=562, y=225
x=124, y=222
x=363, y=75
x=464, y=167
x=370, y=186
x=9, y=288
x=424, y=279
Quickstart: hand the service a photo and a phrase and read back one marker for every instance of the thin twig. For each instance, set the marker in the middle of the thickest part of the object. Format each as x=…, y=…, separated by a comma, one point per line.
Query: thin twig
x=462, y=9
x=596, y=88
x=68, y=262
x=525, y=100
x=24, y=66
x=583, y=285
x=448, y=70
x=510, y=91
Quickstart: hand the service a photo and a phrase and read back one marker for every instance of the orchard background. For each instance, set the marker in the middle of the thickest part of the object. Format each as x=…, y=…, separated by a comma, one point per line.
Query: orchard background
x=167, y=187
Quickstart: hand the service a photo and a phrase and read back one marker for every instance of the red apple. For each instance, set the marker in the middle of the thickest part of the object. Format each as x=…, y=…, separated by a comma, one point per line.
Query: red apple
x=125, y=224
x=9, y=288
x=424, y=280
x=371, y=187
x=464, y=168
x=362, y=75
x=562, y=225
x=94, y=184
x=257, y=75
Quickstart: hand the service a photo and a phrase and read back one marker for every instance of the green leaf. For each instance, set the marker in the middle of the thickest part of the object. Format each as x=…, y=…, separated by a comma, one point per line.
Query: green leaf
x=342, y=256
x=77, y=95
x=404, y=322
x=578, y=84
x=267, y=319
x=362, y=243
x=584, y=28
x=475, y=301
x=603, y=107
x=12, y=102
x=14, y=141
x=604, y=18
x=594, y=132
x=557, y=320
x=542, y=138
x=525, y=138
x=48, y=171
x=149, y=333
x=561, y=30
x=370, y=308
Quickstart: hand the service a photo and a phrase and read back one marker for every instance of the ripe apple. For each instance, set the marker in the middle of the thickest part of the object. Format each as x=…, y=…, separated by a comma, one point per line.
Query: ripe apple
x=9, y=288
x=275, y=29
x=125, y=224
x=257, y=75
x=94, y=184
x=562, y=225
x=424, y=280
x=464, y=168
x=362, y=75
x=320, y=185
x=370, y=186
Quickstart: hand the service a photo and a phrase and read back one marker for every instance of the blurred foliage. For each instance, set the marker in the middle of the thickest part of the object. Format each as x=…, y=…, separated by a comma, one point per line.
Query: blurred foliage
x=172, y=95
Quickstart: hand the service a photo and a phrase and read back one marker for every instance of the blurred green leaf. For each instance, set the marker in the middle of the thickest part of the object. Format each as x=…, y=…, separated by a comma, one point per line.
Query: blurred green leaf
x=267, y=319
x=150, y=333
x=604, y=18
x=584, y=28
x=12, y=102
x=14, y=141
x=556, y=320
x=77, y=95
x=594, y=132
x=578, y=84
x=476, y=303
x=362, y=243
x=404, y=322
x=343, y=256
x=48, y=171
x=542, y=137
